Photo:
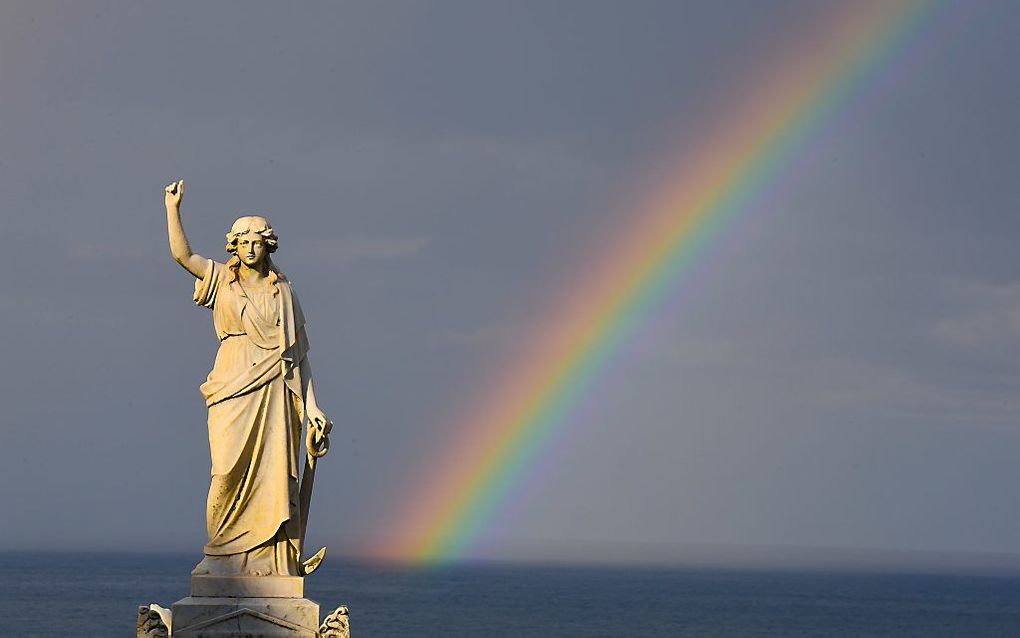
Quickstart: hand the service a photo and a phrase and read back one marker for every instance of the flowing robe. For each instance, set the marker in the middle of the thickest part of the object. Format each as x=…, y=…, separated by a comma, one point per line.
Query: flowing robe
x=256, y=395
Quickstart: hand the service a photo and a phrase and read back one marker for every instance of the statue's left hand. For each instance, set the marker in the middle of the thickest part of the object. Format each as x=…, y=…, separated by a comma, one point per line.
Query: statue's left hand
x=319, y=427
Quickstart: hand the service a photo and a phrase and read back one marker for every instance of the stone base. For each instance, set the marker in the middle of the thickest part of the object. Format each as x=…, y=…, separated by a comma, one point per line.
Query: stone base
x=201, y=617
x=248, y=586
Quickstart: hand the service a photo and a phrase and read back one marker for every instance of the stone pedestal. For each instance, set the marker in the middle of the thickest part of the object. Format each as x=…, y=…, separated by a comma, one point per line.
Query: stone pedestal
x=243, y=607
x=208, y=616
x=235, y=606
x=248, y=586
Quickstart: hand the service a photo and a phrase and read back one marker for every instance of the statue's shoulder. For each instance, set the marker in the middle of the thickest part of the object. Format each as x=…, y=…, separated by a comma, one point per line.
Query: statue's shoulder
x=286, y=287
x=283, y=282
x=217, y=270
x=289, y=301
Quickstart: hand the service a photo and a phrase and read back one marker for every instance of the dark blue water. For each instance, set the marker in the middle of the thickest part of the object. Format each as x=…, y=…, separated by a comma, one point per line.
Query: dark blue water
x=97, y=595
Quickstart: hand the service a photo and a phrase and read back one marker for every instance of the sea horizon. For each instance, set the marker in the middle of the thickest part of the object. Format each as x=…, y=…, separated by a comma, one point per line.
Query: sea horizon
x=669, y=556
x=98, y=593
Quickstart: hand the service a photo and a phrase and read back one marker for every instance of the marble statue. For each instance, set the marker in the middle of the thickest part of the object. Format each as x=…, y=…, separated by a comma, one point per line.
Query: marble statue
x=258, y=393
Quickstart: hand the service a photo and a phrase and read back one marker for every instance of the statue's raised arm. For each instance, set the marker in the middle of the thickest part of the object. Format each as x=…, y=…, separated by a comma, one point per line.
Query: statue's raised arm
x=179, y=247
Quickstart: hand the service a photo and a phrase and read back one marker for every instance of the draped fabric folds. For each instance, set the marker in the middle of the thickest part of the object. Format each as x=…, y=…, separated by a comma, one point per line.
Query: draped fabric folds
x=255, y=394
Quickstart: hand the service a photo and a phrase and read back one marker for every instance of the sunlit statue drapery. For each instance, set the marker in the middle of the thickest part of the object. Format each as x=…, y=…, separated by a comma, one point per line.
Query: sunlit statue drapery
x=259, y=393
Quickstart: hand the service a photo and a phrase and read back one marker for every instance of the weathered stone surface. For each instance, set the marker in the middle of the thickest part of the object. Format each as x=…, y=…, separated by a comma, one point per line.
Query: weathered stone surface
x=207, y=617
x=248, y=586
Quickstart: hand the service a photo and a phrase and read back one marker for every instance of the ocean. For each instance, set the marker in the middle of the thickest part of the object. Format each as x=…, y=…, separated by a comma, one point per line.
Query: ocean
x=98, y=595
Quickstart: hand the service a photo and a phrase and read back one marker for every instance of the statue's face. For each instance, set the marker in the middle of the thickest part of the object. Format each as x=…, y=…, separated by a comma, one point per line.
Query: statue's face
x=251, y=249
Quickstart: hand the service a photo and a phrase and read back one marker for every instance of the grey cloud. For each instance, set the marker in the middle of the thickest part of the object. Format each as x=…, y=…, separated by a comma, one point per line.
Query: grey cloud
x=345, y=250
x=986, y=315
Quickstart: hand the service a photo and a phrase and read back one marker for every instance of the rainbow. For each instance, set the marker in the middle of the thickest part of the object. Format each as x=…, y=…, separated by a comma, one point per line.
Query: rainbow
x=499, y=437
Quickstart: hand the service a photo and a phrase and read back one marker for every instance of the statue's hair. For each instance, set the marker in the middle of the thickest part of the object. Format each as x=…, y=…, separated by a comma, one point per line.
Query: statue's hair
x=259, y=226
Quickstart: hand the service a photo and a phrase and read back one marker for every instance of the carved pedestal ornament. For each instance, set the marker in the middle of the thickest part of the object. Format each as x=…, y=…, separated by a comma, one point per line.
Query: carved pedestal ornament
x=153, y=621
x=337, y=624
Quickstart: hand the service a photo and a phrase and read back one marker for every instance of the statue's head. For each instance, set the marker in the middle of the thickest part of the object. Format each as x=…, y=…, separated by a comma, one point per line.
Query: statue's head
x=251, y=240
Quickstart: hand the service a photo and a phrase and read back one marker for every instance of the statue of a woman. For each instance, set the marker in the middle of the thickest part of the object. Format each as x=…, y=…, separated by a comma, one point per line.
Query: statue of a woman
x=259, y=394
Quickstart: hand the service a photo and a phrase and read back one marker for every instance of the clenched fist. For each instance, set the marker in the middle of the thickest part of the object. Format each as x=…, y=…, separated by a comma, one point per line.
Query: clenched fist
x=172, y=194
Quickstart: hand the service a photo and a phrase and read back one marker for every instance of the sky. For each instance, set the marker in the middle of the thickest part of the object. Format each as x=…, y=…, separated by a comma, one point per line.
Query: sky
x=846, y=377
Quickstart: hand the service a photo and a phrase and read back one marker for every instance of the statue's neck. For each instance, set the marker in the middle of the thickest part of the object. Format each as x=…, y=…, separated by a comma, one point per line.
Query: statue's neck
x=247, y=274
